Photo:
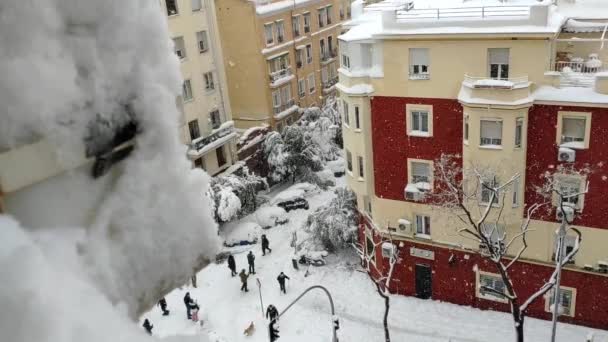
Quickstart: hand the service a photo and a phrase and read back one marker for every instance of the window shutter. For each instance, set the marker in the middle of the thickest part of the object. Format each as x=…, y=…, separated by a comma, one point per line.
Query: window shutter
x=491, y=129
x=573, y=127
x=499, y=56
x=419, y=56
x=420, y=169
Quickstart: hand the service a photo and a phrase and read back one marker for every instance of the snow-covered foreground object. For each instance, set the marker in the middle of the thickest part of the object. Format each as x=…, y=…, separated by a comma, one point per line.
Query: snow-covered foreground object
x=228, y=311
x=67, y=65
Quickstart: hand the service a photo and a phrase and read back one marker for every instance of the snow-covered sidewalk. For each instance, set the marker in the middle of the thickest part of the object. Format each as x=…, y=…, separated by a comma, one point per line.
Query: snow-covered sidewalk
x=227, y=311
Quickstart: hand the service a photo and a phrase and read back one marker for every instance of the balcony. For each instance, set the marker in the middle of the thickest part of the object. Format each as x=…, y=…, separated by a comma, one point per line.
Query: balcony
x=281, y=76
x=485, y=91
x=202, y=145
x=328, y=85
x=285, y=106
x=328, y=56
x=577, y=72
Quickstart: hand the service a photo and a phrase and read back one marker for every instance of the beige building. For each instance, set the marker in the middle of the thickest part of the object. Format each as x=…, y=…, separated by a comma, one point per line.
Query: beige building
x=280, y=56
x=207, y=126
x=515, y=87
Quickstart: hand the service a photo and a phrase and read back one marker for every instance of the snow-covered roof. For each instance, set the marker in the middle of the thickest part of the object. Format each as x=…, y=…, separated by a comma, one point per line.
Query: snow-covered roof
x=266, y=7
x=569, y=94
x=580, y=26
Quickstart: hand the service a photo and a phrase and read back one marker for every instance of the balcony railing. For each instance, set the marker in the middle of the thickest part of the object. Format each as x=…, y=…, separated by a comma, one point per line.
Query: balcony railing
x=201, y=142
x=487, y=82
x=330, y=83
x=277, y=75
x=584, y=67
x=326, y=56
x=485, y=12
x=284, y=106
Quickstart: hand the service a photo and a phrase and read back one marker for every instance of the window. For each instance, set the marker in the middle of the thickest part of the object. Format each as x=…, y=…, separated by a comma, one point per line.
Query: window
x=299, y=58
x=209, y=83
x=495, y=233
x=487, y=189
x=279, y=64
x=171, y=7
x=221, y=157
x=420, y=122
x=369, y=249
x=330, y=46
x=490, y=133
x=341, y=12
x=330, y=11
x=515, y=198
x=196, y=5
x=361, y=166
x=276, y=99
x=214, y=117
x=199, y=163
x=568, y=187
x=322, y=17
x=420, y=172
x=324, y=75
x=349, y=161
x=324, y=54
x=499, y=63
x=187, y=90
x=194, y=130
x=357, y=120
x=367, y=203
x=268, y=28
x=345, y=113
x=465, y=130
x=295, y=25
x=519, y=130
x=179, y=47
x=573, y=130
x=419, y=64
x=569, y=243
x=306, y=22
x=308, y=54
x=311, y=83
x=487, y=281
x=286, y=95
x=345, y=61
x=423, y=226
x=280, y=127
x=280, y=31
x=302, y=87
x=203, y=43
x=567, y=301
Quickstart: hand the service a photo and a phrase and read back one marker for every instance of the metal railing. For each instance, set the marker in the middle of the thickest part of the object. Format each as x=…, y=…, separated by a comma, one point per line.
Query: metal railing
x=277, y=75
x=330, y=82
x=199, y=143
x=284, y=106
x=585, y=67
x=489, y=82
x=485, y=12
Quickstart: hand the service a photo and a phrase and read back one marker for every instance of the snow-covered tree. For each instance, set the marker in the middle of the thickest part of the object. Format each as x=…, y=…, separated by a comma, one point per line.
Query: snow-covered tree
x=334, y=226
x=236, y=195
x=276, y=156
x=476, y=198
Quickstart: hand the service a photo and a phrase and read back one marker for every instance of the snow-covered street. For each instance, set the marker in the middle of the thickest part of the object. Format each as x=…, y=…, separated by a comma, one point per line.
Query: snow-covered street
x=227, y=311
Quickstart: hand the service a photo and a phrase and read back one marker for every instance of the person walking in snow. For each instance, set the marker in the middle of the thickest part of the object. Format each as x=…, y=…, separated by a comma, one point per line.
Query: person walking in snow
x=244, y=277
x=148, y=326
x=188, y=302
x=281, y=278
x=272, y=313
x=163, y=306
x=194, y=311
x=251, y=262
x=232, y=265
x=265, y=244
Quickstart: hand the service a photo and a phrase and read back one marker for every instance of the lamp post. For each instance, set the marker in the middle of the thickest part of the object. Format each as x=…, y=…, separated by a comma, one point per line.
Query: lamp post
x=257, y=280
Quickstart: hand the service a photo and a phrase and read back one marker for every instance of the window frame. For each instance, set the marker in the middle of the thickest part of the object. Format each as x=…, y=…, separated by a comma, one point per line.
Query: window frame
x=494, y=181
x=491, y=146
x=499, y=75
x=269, y=41
x=306, y=21
x=220, y=152
x=193, y=127
x=357, y=119
x=410, y=108
x=410, y=173
x=187, y=89
x=420, y=75
x=561, y=115
x=200, y=4
x=572, y=179
x=349, y=162
x=549, y=298
x=569, y=241
x=466, y=130
x=302, y=87
x=180, y=47
x=478, y=294
x=361, y=167
x=425, y=229
x=218, y=116
x=345, y=113
x=309, y=53
x=519, y=128
x=209, y=79
x=295, y=25
x=205, y=40
x=175, y=5
x=312, y=89
x=280, y=36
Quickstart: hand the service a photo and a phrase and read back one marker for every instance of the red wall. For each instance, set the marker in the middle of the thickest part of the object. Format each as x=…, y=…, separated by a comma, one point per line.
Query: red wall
x=392, y=146
x=542, y=156
x=456, y=283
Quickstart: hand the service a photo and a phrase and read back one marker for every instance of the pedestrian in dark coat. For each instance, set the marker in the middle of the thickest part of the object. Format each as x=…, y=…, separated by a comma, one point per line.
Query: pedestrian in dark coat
x=251, y=262
x=281, y=278
x=188, y=302
x=265, y=244
x=232, y=265
x=148, y=326
x=163, y=306
x=244, y=277
x=272, y=313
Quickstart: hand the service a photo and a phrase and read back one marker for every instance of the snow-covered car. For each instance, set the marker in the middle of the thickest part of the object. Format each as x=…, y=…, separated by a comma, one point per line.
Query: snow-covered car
x=245, y=233
x=338, y=167
x=269, y=217
x=293, y=204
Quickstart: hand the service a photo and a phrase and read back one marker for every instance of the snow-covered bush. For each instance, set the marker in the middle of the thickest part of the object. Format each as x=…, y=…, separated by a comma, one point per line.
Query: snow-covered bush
x=334, y=226
x=236, y=195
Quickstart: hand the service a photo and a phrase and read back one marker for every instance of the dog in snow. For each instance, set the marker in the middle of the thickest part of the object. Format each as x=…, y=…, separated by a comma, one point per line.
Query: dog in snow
x=250, y=329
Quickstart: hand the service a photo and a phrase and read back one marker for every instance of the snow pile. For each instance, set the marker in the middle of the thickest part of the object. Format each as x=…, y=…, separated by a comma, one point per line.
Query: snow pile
x=270, y=216
x=65, y=64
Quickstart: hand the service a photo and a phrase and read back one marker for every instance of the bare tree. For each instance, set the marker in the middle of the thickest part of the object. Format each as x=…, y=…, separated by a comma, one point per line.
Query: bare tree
x=383, y=282
x=476, y=198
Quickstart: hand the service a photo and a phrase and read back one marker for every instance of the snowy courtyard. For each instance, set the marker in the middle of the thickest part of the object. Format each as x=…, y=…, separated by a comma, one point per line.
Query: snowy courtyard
x=226, y=311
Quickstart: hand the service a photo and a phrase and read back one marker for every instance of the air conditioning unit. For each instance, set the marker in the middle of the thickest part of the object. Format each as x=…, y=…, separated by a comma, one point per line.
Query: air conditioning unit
x=566, y=155
x=569, y=211
x=602, y=267
x=404, y=225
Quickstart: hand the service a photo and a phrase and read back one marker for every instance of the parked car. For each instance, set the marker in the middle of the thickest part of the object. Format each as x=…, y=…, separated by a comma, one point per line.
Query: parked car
x=272, y=216
x=245, y=233
x=293, y=204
